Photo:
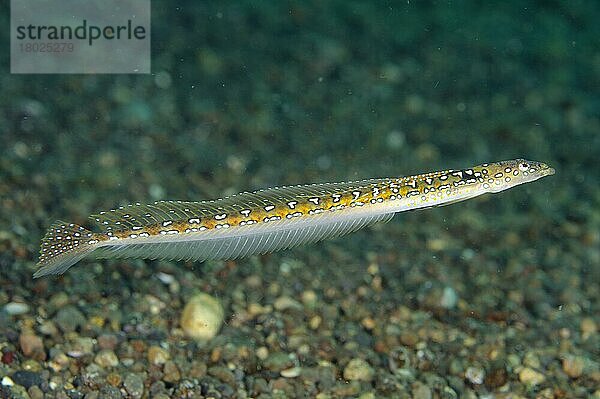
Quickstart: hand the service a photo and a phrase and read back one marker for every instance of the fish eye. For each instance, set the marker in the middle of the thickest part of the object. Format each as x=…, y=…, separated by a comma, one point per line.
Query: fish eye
x=523, y=166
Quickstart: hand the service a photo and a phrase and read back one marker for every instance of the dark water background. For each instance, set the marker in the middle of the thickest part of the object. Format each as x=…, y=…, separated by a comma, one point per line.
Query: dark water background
x=245, y=95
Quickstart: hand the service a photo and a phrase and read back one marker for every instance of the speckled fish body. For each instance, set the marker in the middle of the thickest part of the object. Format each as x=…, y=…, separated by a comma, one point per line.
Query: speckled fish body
x=269, y=219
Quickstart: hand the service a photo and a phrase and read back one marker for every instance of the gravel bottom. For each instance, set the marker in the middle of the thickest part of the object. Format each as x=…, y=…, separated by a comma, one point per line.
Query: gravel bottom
x=492, y=298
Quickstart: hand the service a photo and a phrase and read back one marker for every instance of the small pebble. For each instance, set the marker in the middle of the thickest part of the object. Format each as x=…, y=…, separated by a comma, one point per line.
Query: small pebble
x=114, y=379
x=157, y=355
x=532, y=360
x=58, y=300
x=27, y=378
x=421, y=391
x=449, y=298
x=16, y=308
x=588, y=327
x=32, y=346
x=346, y=389
x=80, y=346
x=496, y=377
x=7, y=381
x=165, y=278
x=59, y=361
x=202, y=317
x=171, y=371
x=358, y=369
x=255, y=309
x=573, y=366
x=106, y=358
x=475, y=375
x=223, y=374
x=278, y=361
x=291, y=372
x=48, y=328
x=310, y=299
x=530, y=376
x=262, y=353
x=35, y=392
x=18, y=392
x=31, y=365
x=69, y=319
x=107, y=341
x=315, y=322
x=97, y=321
x=109, y=392
x=8, y=357
x=196, y=370
x=285, y=302
x=369, y=323
x=134, y=385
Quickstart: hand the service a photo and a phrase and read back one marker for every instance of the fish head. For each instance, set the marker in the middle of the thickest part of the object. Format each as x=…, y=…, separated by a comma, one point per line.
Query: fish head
x=500, y=176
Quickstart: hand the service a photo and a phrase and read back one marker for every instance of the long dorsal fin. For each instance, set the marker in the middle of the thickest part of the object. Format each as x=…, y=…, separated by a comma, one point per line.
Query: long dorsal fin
x=126, y=217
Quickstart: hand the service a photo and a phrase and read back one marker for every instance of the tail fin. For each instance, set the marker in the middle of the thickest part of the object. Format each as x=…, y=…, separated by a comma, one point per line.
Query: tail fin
x=63, y=245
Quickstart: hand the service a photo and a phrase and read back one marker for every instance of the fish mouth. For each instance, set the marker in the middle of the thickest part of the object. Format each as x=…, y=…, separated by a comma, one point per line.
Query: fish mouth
x=546, y=170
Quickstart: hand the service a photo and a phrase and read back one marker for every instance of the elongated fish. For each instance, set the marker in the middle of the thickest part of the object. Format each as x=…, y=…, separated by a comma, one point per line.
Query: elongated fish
x=268, y=220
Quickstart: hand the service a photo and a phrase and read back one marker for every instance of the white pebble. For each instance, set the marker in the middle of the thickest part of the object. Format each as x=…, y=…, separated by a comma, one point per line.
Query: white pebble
x=16, y=308
x=449, y=298
x=202, y=317
x=7, y=382
x=291, y=372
